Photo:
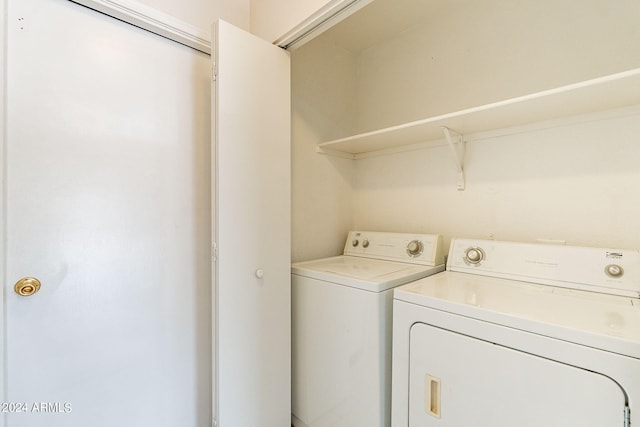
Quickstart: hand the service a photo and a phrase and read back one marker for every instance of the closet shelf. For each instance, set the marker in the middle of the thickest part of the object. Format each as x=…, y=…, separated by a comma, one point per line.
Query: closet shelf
x=604, y=93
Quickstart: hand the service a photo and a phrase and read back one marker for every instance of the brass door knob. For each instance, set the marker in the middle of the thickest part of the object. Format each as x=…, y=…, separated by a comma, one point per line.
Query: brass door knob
x=27, y=286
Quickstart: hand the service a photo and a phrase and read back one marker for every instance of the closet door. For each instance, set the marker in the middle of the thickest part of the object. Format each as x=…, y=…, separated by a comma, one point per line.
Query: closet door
x=107, y=205
x=251, y=186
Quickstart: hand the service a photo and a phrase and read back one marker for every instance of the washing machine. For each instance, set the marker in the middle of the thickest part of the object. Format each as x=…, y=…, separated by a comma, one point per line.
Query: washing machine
x=341, y=326
x=516, y=334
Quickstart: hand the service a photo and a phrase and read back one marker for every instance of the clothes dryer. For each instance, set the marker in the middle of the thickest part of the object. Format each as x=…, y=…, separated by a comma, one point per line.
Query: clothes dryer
x=341, y=326
x=517, y=334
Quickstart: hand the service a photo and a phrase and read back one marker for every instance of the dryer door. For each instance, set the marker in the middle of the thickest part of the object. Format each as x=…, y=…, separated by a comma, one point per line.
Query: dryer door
x=460, y=381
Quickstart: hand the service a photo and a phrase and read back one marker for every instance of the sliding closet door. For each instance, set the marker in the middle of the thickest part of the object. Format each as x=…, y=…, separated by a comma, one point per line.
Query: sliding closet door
x=107, y=205
x=251, y=182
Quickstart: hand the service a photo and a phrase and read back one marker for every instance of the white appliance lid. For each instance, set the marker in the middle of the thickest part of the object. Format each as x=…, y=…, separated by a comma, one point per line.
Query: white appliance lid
x=364, y=273
x=607, y=322
x=361, y=268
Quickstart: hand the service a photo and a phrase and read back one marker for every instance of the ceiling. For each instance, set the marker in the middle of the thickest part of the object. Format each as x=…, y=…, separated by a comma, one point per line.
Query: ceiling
x=381, y=19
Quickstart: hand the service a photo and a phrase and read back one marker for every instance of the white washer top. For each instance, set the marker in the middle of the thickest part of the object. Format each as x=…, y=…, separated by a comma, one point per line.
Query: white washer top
x=363, y=273
x=376, y=261
x=536, y=303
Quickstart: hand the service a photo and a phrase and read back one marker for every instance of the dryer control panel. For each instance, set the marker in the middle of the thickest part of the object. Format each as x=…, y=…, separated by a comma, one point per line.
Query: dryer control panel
x=424, y=249
x=612, y=271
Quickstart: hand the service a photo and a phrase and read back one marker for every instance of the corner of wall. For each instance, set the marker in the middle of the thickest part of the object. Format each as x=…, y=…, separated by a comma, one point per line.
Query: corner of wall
x=236, y=12
x=322, y=108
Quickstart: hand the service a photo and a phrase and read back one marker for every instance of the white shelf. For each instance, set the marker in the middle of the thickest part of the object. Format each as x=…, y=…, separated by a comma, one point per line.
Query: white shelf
x=604, y=93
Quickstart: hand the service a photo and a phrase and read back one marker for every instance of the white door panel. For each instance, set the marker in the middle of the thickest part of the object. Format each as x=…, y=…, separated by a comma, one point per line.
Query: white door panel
x=108, y=205
x=252, y=185
x=460, y=381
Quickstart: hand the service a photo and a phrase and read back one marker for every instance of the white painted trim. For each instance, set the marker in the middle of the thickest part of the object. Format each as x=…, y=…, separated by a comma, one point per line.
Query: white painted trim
x=325, y=18
x=3, y=194
x=153, y=20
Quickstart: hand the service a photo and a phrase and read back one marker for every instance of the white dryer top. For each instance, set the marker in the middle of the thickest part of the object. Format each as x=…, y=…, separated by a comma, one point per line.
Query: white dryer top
x=607, y=322
x=540, y=289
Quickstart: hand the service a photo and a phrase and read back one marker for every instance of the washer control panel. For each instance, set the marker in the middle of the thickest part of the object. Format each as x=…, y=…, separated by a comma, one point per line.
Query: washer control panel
x=613, y=271
x=426, y=249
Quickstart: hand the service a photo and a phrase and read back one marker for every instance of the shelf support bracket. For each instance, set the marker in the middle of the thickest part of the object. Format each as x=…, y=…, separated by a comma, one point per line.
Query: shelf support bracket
x=458, y=150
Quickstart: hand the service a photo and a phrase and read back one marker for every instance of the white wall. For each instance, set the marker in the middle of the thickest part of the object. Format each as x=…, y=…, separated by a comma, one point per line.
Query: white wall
x=475, y=52
x=574, y=182
x=271, y=19
x=236, y=12
x=577, y=183
x=322, y=108
x=198, y=13
x=202, y=13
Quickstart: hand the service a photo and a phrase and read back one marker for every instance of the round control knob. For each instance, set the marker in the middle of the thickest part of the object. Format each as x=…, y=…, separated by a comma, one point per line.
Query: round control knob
x=415, y=248
x=614, y=270
x=473, y=255
x=355, y=242
x=365, y=243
